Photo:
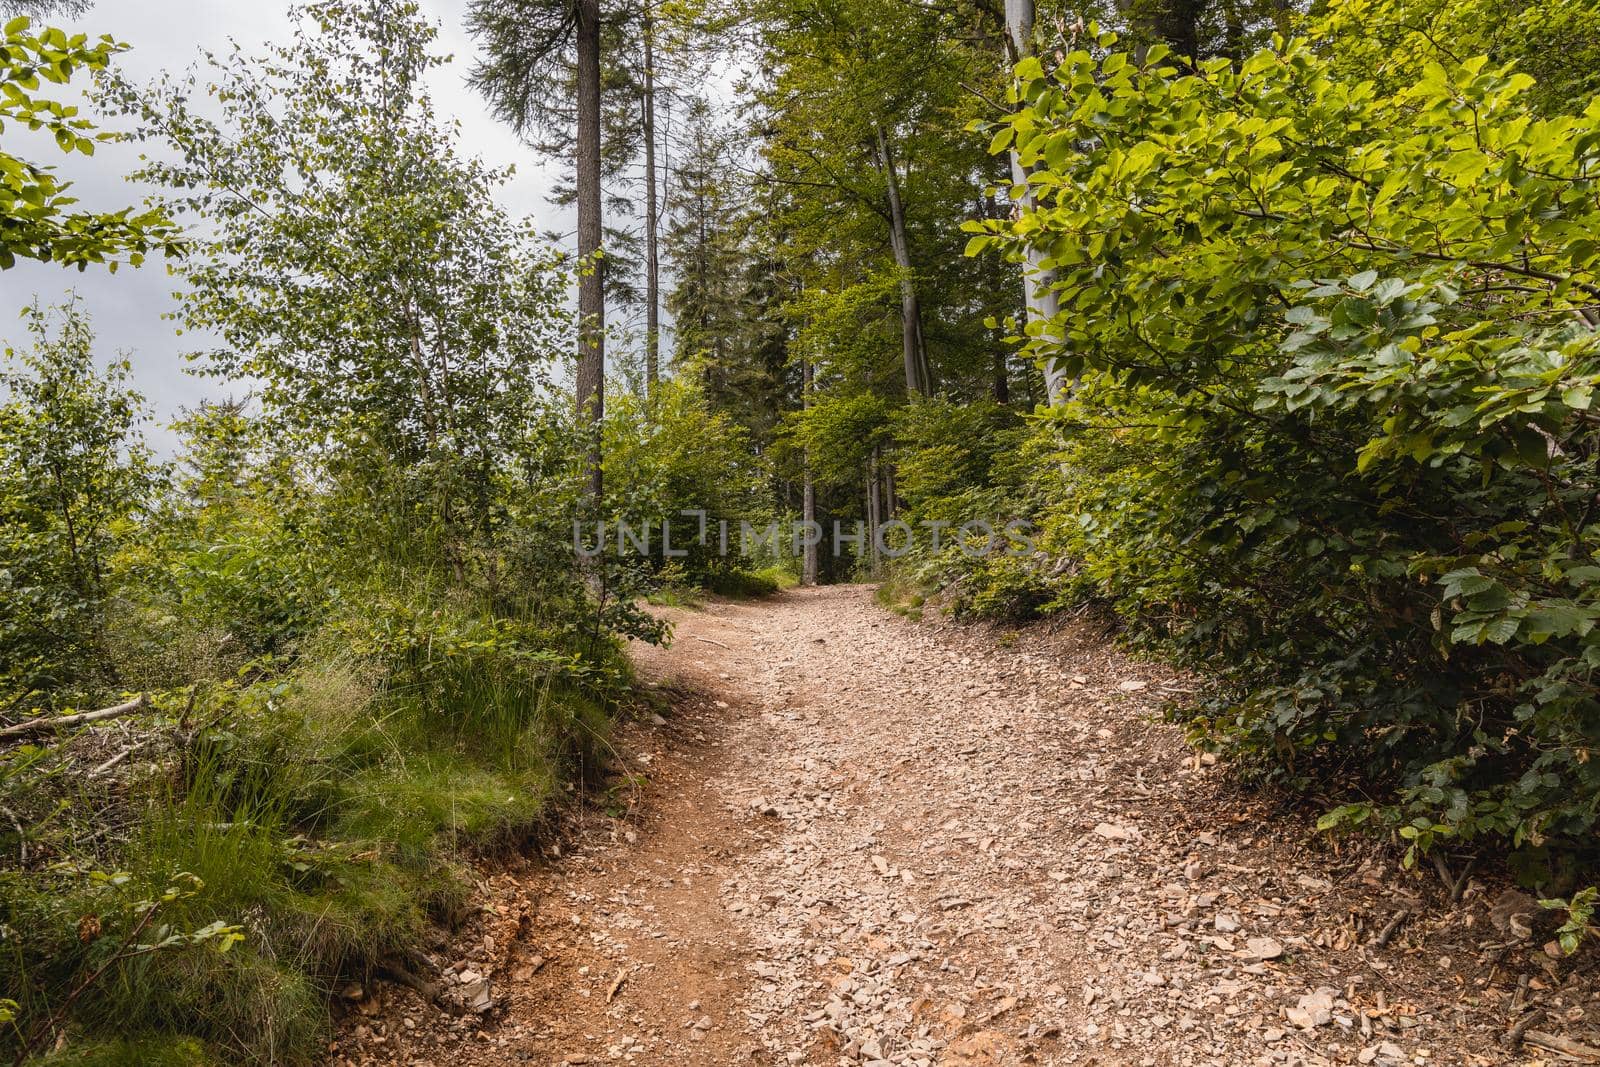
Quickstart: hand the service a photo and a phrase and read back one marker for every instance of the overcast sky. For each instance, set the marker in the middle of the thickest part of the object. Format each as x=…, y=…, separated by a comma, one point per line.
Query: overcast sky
x=128, y=307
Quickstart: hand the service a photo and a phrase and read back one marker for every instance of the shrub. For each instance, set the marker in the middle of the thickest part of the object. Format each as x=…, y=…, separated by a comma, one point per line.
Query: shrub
x=1333, y=436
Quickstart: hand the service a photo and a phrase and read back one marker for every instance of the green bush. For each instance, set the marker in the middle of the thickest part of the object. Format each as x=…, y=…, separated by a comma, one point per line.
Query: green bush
x=672, y=458
x=1333, y=436
x=372, y=652
x=958, y=462
x=326, y=815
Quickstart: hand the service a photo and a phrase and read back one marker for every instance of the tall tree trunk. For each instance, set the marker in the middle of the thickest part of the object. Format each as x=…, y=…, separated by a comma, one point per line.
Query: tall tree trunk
x=591, y=377
x=808, y=506
x=873, y=514
x=1000, y=379
x=1177, y=22
x=914, y=352
x=652, y=255
x=1038, y=283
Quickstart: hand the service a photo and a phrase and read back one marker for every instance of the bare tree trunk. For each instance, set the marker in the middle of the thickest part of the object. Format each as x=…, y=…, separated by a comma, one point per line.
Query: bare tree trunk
x=874, y=515
x=591, y=375
x=652, y=254
x=808, y=506
x=915, y=353
x=1001, y=372
x=1038, y=283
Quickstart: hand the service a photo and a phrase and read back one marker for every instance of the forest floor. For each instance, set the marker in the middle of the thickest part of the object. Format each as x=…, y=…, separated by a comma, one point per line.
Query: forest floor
x=855, y=838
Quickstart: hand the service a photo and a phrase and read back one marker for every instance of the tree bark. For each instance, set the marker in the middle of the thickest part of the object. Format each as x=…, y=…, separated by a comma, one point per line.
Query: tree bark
x=591, y=264
x=652, y=253
x=873, y=513
x=808, y=506
x=1002, y=379
x=914, y=352
x=1038, y=284
x=50, y=724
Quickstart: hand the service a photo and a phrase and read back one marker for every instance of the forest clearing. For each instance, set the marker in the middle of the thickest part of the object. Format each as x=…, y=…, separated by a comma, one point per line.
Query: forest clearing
x=832, y=532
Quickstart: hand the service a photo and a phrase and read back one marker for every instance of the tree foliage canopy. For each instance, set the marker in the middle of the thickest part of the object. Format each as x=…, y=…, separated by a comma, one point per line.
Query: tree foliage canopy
x=37, y=220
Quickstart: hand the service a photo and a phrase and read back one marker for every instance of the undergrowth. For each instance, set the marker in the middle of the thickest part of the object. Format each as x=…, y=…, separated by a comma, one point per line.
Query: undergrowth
x=324, y=817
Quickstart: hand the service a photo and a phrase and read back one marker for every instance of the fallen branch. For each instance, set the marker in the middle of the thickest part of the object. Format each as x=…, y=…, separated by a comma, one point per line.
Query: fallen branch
x=616, y=984
x=1514, y=1037
x=106, y=767
x=708, y=641
x=1564, y=1045
x=1393, y=925
x=49, y=724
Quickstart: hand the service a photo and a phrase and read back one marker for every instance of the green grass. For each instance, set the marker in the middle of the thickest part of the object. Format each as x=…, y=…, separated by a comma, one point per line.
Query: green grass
x=751, y=585
x=141, y=1052
x=902, y=596
x=677, y=596
x=733, y=584
x=331, y=821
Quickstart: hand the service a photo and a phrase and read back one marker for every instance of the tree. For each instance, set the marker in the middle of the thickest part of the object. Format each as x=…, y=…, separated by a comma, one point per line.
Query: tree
x=852, y=85
x=45, y=8
x=1557, y=42
x=1334, y=435
x=36, y=219
x=1037, y=279
x=652, y=210
x=397, y=319
x=74, y=472
x=527, y=44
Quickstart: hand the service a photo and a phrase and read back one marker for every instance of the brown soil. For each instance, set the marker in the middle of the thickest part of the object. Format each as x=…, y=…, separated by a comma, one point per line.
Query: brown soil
x=860, y=839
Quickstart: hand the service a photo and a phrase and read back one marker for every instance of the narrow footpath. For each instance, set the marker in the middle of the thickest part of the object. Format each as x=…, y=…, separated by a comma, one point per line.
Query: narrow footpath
x=852, y=838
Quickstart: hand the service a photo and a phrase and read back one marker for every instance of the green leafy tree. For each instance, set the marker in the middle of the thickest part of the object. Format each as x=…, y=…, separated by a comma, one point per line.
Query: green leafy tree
x=74, y=478
x=398, y=321
x=1333, y=435
x=36, y=216
x=1557, y=42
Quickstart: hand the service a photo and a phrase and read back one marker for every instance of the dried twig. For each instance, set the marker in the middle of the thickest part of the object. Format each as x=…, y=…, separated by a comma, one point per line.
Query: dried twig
x=1564, y=1045
x=124, y=951
x=1455, y=884
x=49, y=724
x=400, y=974
x=1391, y=927
x=1514, y=1037
x=106, y=767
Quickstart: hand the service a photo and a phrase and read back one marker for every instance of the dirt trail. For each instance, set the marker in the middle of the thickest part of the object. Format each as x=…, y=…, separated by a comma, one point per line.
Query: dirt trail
x=860, y=839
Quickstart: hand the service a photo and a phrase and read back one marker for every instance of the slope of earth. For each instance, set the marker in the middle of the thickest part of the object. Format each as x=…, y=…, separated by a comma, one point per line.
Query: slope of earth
x=859, y=839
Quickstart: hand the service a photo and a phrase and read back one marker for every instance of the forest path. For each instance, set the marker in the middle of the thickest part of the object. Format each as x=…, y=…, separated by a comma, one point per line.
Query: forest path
x=864, y=839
